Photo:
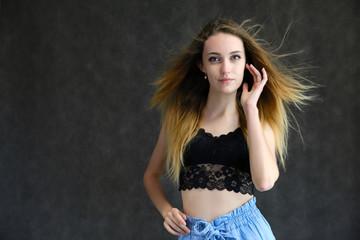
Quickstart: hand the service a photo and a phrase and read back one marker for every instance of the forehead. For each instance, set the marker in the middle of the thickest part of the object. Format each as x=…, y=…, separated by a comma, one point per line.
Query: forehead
x=223, y=43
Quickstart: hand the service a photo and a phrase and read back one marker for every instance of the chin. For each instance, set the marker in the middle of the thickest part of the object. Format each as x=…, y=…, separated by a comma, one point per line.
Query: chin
x=229, y=90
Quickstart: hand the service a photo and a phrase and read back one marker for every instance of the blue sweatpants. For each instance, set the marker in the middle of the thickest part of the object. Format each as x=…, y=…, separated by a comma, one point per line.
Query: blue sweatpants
x=245, y=222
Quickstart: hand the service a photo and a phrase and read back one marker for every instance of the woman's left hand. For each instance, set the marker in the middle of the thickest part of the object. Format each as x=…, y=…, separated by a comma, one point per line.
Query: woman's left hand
x=250, y=99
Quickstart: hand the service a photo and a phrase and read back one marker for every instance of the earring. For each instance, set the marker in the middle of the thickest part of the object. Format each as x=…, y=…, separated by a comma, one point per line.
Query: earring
x=205, y=76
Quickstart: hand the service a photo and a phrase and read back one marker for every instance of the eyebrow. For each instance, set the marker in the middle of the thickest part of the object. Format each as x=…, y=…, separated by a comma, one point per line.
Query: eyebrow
x=218, y=54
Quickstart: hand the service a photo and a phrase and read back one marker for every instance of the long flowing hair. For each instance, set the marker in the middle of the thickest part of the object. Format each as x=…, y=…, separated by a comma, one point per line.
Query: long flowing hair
x=182, y=91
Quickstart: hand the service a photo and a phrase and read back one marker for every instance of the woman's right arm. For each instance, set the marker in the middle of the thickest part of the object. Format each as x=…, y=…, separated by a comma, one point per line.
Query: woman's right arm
x=174, y=220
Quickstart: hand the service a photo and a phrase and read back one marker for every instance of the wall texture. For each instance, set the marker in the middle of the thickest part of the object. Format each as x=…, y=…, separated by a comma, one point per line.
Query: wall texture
x=76, y=131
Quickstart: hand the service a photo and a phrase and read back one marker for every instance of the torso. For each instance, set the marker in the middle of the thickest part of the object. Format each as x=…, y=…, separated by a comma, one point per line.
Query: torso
x=210, y=204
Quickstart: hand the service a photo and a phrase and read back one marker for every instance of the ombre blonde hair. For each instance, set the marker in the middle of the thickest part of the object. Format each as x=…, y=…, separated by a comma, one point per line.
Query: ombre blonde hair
x=182, y=91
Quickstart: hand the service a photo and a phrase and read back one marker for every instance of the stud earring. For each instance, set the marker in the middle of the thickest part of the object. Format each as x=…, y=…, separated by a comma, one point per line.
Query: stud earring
x=205, y=76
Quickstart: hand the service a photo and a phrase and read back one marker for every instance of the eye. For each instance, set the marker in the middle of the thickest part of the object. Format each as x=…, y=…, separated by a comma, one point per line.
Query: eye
x=236, y=57
x=214, y=59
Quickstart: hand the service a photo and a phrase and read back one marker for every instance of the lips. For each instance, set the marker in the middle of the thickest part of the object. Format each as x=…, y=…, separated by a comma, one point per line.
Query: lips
x=226, y=80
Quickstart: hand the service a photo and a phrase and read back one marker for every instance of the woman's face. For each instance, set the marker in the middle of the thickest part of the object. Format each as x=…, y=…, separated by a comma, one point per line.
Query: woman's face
x=224, y=62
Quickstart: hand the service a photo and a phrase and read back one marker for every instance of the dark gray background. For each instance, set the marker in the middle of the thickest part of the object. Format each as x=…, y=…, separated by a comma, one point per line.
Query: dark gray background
x=76, y=131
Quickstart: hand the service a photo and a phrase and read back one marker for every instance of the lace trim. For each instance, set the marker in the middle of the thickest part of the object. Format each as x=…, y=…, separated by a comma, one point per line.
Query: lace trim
x=220, y=136
x=215, y=176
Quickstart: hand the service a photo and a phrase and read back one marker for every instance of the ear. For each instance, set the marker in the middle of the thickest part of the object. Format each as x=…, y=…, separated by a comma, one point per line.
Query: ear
x=201, y=67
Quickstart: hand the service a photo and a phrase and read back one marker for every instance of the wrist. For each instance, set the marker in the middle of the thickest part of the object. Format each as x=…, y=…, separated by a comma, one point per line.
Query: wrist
x=165, y=211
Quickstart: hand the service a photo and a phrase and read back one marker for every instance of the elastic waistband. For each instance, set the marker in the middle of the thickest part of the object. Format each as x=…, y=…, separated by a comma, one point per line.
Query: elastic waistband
x=238, y=216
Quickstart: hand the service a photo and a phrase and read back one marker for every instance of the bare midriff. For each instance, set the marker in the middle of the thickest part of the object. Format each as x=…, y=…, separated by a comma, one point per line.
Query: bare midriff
x=210, y=204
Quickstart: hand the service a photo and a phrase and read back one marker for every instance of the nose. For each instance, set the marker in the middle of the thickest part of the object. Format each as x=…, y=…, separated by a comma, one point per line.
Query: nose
x=225, y=67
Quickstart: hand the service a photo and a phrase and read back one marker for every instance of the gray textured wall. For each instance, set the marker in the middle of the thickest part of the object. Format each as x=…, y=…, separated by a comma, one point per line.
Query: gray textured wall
x=76, y=132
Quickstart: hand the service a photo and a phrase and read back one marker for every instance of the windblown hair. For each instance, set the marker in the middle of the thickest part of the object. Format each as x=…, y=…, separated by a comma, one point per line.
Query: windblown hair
x=182, y=91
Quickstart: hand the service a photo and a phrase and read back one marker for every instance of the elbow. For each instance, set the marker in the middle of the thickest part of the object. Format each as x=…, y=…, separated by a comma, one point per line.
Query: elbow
x=264, y=186
x=150, y=177
x=146, y=178
x=265, y=182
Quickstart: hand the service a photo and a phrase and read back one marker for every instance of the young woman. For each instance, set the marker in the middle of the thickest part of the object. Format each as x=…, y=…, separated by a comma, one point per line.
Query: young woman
x=224, y=103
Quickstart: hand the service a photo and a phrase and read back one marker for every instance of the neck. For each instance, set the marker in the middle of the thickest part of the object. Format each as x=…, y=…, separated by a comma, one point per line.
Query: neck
x=221, y=104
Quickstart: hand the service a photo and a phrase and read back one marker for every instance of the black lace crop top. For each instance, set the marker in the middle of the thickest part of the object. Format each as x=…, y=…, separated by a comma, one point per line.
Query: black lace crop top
x=217, y=163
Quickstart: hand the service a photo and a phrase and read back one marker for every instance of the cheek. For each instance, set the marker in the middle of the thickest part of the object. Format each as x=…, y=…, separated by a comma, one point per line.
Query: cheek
x=243, y=70
x=212, y=71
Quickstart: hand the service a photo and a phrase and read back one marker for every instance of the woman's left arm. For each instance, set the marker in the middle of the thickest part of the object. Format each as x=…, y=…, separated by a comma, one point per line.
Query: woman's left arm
x=261, y=141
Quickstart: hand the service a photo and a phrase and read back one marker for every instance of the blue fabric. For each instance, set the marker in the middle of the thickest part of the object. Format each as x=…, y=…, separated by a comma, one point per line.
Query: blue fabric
x=245, y=222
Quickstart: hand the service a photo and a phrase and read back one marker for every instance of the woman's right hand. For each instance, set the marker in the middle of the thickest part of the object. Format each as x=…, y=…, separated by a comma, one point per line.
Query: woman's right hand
x=175, y=222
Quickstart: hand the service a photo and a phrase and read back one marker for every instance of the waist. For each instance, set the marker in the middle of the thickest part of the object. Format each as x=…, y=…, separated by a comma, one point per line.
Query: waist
x=210, y=204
